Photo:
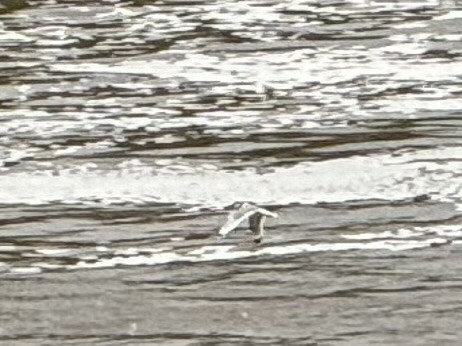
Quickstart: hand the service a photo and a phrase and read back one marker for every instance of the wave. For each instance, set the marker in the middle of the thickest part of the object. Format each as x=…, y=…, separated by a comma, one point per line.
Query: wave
x=388, y=177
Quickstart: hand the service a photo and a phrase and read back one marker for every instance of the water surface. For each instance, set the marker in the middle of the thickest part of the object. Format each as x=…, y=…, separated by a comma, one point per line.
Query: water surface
x=129, y=128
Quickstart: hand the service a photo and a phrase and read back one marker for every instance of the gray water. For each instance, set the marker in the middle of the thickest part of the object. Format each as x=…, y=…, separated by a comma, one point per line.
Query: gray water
x=128, y=129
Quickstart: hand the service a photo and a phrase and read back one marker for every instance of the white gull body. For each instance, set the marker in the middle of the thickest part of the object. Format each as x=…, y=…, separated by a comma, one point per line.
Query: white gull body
x=254, y=214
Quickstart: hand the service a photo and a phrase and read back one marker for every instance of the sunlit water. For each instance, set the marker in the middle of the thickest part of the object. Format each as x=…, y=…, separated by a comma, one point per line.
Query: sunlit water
x=129, y=128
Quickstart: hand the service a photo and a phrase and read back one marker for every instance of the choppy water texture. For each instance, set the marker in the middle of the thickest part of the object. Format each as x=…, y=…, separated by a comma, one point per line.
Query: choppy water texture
x=129, y=128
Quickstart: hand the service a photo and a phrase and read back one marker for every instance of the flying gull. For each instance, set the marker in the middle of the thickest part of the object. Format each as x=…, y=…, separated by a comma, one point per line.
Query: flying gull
x=256, y=218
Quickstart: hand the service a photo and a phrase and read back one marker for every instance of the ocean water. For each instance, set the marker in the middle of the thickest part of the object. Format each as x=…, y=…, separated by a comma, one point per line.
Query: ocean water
x=129, y=129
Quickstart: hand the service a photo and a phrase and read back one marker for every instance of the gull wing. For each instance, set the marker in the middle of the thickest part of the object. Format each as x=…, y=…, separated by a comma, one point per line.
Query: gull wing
x=234, y=219
x=266, y=212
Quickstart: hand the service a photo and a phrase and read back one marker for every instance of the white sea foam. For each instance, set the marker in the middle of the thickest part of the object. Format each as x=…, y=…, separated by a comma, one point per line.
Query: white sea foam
x=236, y=70
x=226, y=252
x=54, y=252
x=25, y=270
x=388, y=177
x=9, y=248
x=443, y=231
x=455, y=14
x=399, y=234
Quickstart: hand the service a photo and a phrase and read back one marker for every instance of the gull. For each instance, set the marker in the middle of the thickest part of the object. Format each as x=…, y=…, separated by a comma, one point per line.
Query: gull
x=256, y=218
